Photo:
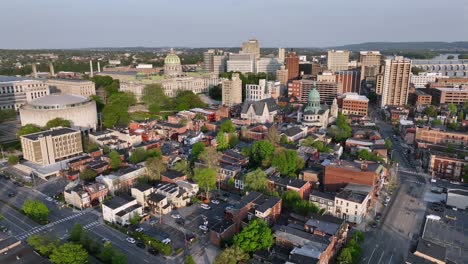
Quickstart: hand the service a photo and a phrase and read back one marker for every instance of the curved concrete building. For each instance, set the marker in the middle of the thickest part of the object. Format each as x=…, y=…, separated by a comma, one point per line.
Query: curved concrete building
x=80, y=110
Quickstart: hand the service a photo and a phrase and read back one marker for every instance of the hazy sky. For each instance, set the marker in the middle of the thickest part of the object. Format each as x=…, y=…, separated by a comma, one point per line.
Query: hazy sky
x=204, y=23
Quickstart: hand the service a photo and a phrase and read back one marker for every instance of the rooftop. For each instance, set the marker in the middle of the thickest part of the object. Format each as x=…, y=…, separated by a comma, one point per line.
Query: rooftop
x=431, y=249
x=52, y=132
x=119, y=201
x=4, y=78
x=58, y=99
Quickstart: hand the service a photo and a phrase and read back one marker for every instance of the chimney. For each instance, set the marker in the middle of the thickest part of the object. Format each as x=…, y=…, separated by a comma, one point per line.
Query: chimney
x=91, y=68
x=363, y=166
x=34, y=70
x=51, y=69
x=98, y=66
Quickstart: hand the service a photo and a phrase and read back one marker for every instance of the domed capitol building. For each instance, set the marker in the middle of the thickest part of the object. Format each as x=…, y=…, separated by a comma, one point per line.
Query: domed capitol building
x=316, y=114
x=173, y=80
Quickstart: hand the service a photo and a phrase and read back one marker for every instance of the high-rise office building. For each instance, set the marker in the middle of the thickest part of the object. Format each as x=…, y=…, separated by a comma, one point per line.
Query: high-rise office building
x=396, y=80
x=292, y=65
x=214, y=61
x=251, y=47
x=338, y=60
x=232, y=90
x=281, y=55
x=242, y=63
x=370, y=65
x=208, y=60
x=350, y=80
x=268, y=65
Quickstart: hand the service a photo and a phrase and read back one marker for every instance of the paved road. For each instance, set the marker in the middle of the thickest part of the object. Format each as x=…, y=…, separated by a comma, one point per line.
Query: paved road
x=402, y=219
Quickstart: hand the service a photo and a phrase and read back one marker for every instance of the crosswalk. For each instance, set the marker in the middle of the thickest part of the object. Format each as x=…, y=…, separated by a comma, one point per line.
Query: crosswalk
x=50, y=225
x=413, y=181
x=91, y=225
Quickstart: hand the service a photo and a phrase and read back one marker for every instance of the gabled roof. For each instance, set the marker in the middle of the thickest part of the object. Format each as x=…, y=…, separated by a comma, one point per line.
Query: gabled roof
x=292, y=131
x=259, y=106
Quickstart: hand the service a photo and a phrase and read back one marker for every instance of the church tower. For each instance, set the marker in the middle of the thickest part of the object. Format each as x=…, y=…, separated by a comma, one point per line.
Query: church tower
x=334, y=109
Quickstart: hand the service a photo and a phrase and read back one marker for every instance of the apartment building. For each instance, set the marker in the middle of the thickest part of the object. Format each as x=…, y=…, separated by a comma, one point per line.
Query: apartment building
x=370, y=65
x=48, y=147
x=352, y=202
x=437, y=136
x=396, y=81
x=83, y=88
x=232, y=90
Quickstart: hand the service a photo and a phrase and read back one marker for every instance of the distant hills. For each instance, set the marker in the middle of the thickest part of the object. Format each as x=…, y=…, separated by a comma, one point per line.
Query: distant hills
x=382, y=46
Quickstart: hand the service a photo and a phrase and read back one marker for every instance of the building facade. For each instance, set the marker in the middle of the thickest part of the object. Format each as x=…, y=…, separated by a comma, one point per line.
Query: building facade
x=337, y=60
x=251, y=47
x=456, y=95
x=48, y=147
x=17, y=91
x=437, y=136
x=268, y=65
x=242, y=63
x=232, y=90
x=292, y=65
x=424, y=78
x=355, y=104
x=396, y=80
x=370, y=65
x=458, y=68
x=350, y=81
x=68, y=86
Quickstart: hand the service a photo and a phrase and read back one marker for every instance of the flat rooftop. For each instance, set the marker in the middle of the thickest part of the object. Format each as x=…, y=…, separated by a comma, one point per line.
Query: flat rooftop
x=4, y=78
x=58, y=99
x=53, y=133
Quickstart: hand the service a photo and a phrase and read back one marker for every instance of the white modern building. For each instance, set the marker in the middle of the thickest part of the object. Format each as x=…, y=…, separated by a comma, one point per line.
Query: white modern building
x=352, y=203
x=83, y=88
x=17, y=91
x=79, y=110
x=268, y=65
x=121, y=209
x=423, y=78
x=242, y=63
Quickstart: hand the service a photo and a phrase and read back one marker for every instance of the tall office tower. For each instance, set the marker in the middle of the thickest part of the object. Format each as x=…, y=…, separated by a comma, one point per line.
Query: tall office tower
x=292, y=65
x=370, y=65
x=350, y=80
x=396, y=79
x=219, y=63
x=208, y=57
x=232, y=90
x=338, y=60
x=282, y=75
x=268, y=65
x=281, y=54
x=251, y=47
x=242, y=63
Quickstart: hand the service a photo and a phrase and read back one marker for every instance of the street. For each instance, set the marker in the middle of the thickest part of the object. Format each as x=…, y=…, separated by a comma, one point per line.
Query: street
x=402, y=218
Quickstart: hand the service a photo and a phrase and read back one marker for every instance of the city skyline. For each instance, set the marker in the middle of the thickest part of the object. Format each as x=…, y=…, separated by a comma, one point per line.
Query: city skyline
x=55, y=24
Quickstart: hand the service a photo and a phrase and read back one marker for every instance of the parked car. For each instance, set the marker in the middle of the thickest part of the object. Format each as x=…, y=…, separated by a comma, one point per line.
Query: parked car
x=190, y=238
x=105, y=240
x=166, y=241
x=140, y=229
x=176, y=216
x=153, y=251
x=180, y=222
x=214, y=201
x=49, y=199
x=203, y=228
x=378, y=216
x=229, y=207
x=387, y=199
x=131, y=240
x=374, y=225
x=140, y=245
x=11, y=194
x=385, y=204
x=3, y=229
x=205, y=206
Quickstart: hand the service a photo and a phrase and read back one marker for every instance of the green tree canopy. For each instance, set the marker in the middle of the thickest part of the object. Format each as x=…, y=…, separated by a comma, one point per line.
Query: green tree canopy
x=290, y=198
x=210, y=158
x=44, y=244
x=7, y=114
x=233, y=140
x=110, y=85
x=227, y=127
x=28, y=129
x=206, y=179
x=256, y=181
x=115, y=161
x=115, y=111
x=342, y=130
x=232, y=255
x=76, y=233
x=388, y=144
x=186, y=100
x=36, y=210
x=261, y=153
x=364, y=154
x=155, y=167
x=430, y=111
x=88, y=175
x=287, y=162
x=13, y=160
x=69, y=253
x=58, y=122
x=273, y=135
x=222, y=141
x=138, y=155
x=197, y=149
x=154, y=97
x=256, y=236
x=216, y=92
x=99, y=103
x=436, y=122
x=452, y=108
x=189, y=260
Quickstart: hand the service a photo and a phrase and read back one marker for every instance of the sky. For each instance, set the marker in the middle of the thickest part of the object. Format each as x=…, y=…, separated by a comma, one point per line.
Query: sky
x=28, y=24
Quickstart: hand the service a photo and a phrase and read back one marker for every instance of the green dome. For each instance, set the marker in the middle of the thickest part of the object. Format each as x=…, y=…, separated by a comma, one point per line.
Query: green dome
x=172, y=59
x=314, y=95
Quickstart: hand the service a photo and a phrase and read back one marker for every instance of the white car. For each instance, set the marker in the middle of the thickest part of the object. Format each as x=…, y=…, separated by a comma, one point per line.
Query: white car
x=140, y=229
x=176, y=216
x=388, y=199
x=203, y=228
x=131, y=240
x=49, y=199
x=205, y=206
x=166, y=241
x=214, y=201
x=229, y=207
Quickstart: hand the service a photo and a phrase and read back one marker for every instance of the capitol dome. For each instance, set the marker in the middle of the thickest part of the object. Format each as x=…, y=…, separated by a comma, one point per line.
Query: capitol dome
x=172, y=59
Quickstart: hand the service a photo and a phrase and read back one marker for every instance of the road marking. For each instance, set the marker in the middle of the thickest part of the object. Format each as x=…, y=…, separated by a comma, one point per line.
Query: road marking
x=372, y=254
x=380, y=259
x=390, y=261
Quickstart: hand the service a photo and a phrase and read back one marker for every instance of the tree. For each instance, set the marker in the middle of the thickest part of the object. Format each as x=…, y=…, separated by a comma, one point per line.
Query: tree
x=189, y=260
x=69, y=253
x=28, y=129
x=58, y=122
x=304, y=207
x=261, y=153
x=233, y=140
x=364, y=154
x=460, y=116
x=115, y=112
x=138, y=155
x=227, y=127
x=256, y=181
x=388, y=144
x=99, y=103
x=115, y=161
x=76, y=233
x=154, y=97
x=430, y=111
x=290, y=198
x=273, y=136
x=416, y=70
x=287, y=162
x=182, y=166
x=284, y=140
x=256, y=236
x=88, y=175
x=232, y=255
x=43, y=244
x=36, y=210
x=342, y=130
x=216, y=92
x=345, y=256
x=221, y=141
x=210, y=158
x=13, y=160
x=197, y=149
x=452, y=108
x=135, y=220
x=7, y=114
x=372, y=97
x=436, y=122
x=155, y=167
x=450, y=57
x=185, y=100
x=206, y=179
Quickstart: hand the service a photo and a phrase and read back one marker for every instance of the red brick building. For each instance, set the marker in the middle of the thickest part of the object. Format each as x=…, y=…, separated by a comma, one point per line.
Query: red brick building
x=282, y=184
x=354, y=104
x=338, y=174
x=173, y=176
x=292, y=65
x=447, y=167
x=437, y=136
x=350, y=81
